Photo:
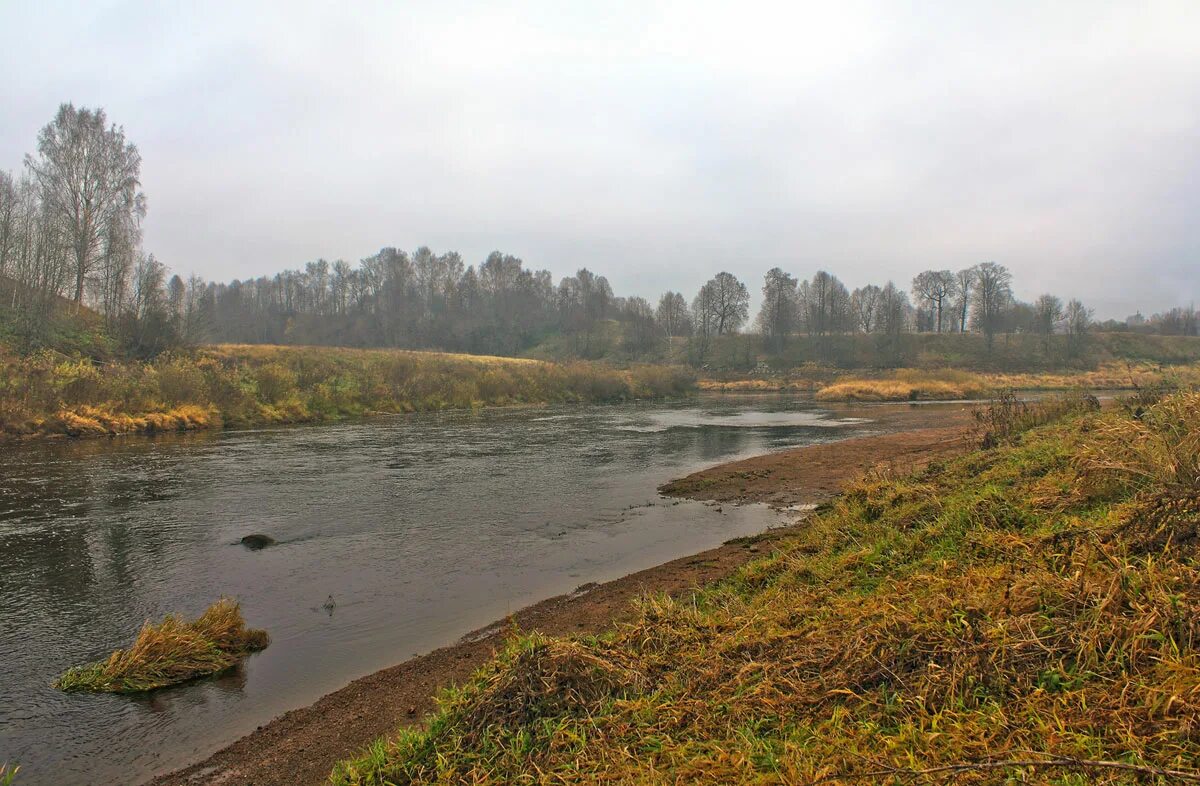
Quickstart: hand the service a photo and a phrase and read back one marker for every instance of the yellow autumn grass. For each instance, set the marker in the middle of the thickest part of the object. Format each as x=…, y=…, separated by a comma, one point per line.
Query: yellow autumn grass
x=944, y=384
x=172, y=651
x=999, y=618
x=245, y=385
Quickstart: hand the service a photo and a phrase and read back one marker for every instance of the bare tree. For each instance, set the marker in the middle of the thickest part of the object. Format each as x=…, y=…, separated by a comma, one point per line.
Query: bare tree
x=1047, y=311
x=934, y=287
x=993, y=293
x=726, y=303
x=778, y=315
x=641, y=329
x=8, y=221
x=894, y=310
x=1078, y=321
x=964, y=288
x=89, y=178
x=826, y=304
x=673, y=316
x=864, y=306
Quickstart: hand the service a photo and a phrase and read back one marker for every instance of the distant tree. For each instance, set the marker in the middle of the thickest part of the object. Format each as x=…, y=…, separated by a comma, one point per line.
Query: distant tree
x=825, y=302
x=640, y=328
x=1077, y=321
x=964, y=288
x=1047, y=311
x=147, y=326
x=726, y=304
x=89, y=177
x=893, y=317
x=864, y=307
x=894, y=310
x=778, y=316
x=9, y=222
x=934, y=288
x=992, y=296
x=673, y=315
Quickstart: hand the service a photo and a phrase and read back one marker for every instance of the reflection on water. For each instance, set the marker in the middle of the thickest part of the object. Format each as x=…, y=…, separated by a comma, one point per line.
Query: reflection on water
x=420, y=527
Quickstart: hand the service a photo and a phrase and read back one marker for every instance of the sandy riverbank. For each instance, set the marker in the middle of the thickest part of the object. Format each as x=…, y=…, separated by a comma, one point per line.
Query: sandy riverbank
x=301, y=746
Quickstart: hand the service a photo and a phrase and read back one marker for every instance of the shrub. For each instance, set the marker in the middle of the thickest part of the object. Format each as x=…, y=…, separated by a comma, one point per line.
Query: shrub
x=275, y=382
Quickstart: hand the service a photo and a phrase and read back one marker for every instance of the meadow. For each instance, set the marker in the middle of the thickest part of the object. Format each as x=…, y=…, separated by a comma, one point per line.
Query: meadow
x=47, y=393
x=1028, y=613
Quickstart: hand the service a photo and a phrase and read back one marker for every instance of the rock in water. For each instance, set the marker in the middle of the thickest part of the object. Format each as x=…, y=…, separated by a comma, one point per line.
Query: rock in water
x=257, y=542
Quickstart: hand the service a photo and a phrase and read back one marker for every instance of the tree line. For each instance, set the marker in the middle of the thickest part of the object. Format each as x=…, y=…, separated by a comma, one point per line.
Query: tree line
x=70, y=232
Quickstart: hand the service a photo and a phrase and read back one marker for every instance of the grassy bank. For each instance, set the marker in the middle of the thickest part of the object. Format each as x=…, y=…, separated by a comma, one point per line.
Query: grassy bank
x=940, y=384
x=1027, y=613
x=170, y=652
x=1014, y=353
x=236, y=385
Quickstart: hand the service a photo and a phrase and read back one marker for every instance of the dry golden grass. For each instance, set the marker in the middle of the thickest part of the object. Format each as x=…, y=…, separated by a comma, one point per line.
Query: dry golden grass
x=991, y=620
x=909, y=385
x=265, y=352
x=172, y=651
x=244, y=385
x=948, y=384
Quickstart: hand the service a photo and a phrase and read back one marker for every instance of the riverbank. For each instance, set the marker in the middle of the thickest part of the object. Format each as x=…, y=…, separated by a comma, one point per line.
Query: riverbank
x=302, y=746
x=942, y=384
x=1026, y=612
x=49, y=394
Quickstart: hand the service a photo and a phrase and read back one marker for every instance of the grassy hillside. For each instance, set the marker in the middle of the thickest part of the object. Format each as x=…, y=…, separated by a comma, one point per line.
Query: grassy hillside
x=740, y=354
x=1029, y=613
x=68, y=328
x=236, y=385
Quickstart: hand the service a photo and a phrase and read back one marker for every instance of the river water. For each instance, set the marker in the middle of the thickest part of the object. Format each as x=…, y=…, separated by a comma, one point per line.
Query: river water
x=421, y=527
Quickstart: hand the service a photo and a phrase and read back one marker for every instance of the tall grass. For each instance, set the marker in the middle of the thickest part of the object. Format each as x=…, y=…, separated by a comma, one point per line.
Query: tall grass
x=990, y=620
x=1007, y=415
x=7, y=774
x=170, y=652
x=1156, y=448
x=235, y=385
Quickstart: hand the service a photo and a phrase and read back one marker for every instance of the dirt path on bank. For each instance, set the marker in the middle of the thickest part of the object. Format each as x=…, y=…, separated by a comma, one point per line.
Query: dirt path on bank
x=300, y=747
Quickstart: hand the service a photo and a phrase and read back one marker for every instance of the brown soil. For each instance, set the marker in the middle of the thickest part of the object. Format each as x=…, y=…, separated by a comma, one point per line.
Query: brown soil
x=301, y=746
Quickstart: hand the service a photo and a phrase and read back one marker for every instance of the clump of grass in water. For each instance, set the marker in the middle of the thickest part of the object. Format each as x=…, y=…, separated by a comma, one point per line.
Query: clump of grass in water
x=170, y=652
x=7, y=776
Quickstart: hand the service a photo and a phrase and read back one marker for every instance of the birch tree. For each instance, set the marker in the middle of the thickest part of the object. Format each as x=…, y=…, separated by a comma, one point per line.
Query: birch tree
x=89, y=180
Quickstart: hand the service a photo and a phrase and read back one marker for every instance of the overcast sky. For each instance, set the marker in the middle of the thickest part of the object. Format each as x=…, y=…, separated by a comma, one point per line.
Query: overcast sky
x=656, y=143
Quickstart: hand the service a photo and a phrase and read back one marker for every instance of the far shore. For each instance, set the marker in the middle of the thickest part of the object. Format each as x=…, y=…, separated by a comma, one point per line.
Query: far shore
x=302, y=745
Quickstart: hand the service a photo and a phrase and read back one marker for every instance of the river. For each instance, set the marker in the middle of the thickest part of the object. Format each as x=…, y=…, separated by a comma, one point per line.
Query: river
x=421, y=527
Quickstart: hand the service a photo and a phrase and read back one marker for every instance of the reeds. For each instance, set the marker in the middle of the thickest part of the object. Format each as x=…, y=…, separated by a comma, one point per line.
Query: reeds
x=172, y=651
x=990, y=620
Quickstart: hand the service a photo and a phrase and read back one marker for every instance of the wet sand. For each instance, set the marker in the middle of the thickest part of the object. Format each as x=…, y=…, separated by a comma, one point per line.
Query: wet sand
x=301, y=746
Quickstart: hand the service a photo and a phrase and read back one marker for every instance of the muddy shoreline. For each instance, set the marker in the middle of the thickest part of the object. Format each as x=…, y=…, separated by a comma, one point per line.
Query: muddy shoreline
x=302, y=745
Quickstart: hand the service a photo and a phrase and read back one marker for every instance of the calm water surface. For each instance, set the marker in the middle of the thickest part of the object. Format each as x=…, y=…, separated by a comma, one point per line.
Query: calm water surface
x=422, y=527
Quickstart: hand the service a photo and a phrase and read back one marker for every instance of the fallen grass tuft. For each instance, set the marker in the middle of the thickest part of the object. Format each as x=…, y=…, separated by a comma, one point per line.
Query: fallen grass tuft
x=172, y=651
x=993, y=619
